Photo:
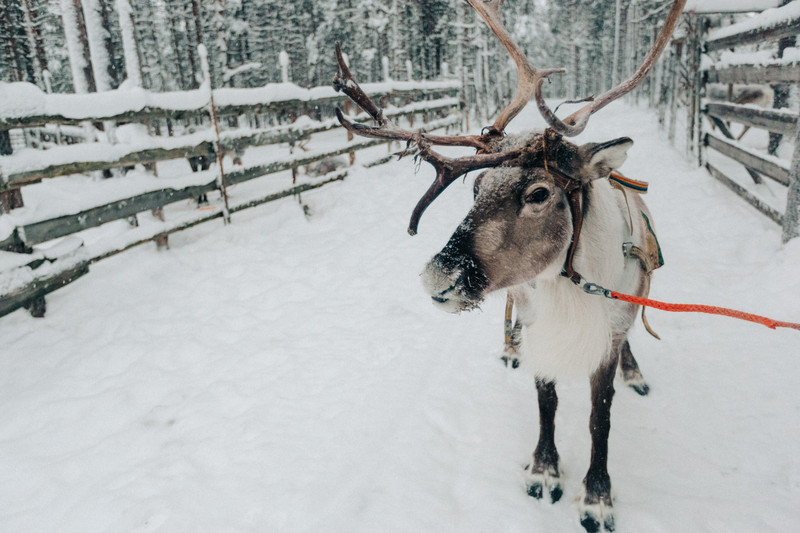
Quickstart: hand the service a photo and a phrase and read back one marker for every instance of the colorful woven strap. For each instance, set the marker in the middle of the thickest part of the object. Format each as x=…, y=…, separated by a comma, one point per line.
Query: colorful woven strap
x=628, y=183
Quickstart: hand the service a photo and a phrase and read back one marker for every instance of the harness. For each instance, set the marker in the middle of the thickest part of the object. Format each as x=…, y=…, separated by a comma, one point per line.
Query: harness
x=649, y=256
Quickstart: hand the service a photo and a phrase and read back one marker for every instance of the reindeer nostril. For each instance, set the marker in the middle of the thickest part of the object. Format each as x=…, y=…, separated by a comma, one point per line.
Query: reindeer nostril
x=451, y=288
x=440, y=300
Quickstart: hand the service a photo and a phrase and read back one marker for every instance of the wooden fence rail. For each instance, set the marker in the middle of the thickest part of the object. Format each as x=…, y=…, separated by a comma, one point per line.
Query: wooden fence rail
x=73, y=159
x=758, y=29
x=774, y=72
x=708, y=122
x=142, y=106
x=29, y=277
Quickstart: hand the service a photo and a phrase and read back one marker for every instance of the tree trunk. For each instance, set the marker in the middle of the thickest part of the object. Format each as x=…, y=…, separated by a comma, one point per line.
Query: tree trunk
x=34, y=48
x=132, y=66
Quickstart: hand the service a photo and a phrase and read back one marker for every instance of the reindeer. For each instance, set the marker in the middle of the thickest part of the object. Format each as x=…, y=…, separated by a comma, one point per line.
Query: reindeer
x=548, y=226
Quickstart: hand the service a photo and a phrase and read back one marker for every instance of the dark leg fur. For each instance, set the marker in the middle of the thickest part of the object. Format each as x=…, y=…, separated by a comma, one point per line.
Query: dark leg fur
x=629, y=370
x=596, y=513
x=511, y=351
x=544, y=470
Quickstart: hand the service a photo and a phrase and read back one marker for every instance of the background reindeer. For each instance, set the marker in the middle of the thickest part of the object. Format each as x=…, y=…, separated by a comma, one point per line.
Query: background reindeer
x=544, y=214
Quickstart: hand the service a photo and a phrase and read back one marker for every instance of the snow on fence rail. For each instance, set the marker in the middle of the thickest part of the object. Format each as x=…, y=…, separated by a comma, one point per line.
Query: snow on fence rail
x=743, y=68
x=718, y=75
x=29, y=270
x=26, y=106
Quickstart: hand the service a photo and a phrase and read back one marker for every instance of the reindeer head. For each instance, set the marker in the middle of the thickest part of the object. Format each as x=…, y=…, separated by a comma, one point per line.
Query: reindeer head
x=528, y=208
x=521, y=224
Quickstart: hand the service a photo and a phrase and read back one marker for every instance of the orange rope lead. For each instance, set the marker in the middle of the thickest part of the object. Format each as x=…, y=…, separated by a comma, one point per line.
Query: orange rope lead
x=710, y=309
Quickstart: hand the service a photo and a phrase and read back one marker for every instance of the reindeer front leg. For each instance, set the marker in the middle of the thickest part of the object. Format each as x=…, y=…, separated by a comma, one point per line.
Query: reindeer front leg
x=596, y=512
x=543, y=472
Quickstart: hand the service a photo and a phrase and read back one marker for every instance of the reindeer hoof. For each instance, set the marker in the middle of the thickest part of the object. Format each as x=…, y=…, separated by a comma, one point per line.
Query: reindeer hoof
x=510, y=360
x=597, y=517
x=592, y=525
x=635, y=380
x=536, y=490
x=544, y=483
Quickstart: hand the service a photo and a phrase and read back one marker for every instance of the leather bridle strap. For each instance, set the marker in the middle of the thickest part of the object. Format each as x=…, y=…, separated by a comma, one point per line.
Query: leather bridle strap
x=574, y=188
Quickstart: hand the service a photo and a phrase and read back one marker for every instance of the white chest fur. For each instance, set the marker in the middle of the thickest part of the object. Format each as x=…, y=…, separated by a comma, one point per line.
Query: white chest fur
x=567, y=333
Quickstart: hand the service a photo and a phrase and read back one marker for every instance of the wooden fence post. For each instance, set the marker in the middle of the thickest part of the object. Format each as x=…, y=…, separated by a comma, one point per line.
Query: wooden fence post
x=12, y=199
x=9, y=198
x=791, y=218
x=212, y=109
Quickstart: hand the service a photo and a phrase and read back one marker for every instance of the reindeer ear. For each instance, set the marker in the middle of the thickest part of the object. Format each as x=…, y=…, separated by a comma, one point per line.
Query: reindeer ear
x=605, y=157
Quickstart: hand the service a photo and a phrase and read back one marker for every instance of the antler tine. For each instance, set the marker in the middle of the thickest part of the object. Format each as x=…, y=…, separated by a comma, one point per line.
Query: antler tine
x=576, y=122
x=448, y=170
x=528, y=76
x=343, y=81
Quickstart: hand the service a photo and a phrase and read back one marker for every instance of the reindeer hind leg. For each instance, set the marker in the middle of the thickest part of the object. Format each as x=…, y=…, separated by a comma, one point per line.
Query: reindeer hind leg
x=629, y=370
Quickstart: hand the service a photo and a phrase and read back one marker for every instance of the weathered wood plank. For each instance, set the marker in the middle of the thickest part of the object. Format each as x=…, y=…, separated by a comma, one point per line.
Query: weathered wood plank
x=39, y=287
x=756, y=74
x=332, y=177
x=785, y=28
x=239, y=176
x=726, y=132
x=46, y=230
x=791, y=217
x=753, y=200
x=150, y=113
x=763, y=166
x=18, y=179
x=298, y=189
x=231, y=141
x=768, y=119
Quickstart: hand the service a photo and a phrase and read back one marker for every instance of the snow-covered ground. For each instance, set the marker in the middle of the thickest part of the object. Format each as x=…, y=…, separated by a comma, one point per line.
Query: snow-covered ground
x=285, y=374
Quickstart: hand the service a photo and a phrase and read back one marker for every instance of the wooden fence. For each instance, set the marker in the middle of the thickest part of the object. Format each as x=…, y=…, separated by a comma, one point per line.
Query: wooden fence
x=705, y=72
x=280, y=115
x=776, y=72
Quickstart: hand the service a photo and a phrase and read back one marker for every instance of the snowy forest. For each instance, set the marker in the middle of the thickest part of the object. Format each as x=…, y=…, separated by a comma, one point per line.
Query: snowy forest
x=80, y=45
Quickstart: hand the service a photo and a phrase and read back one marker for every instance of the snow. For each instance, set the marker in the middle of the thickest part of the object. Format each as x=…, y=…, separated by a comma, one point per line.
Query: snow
x=95, y=36
x=766, y=19
x=760, y=57
x=72, y=194
x=127, y=33
x=77, y=61
x=20, y=99
x=11, y=260
x=728, y=6
x=286, y=373
x=25, y=99
x=32, y=159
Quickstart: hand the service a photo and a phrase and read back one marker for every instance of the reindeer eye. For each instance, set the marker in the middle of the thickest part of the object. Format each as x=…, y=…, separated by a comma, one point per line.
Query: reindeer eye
x=537, y=196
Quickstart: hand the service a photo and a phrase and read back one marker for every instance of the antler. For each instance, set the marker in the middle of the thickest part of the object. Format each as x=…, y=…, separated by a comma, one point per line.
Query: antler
x=529, y=78
x=576, y=122
x=447, y=169
x=530, y=81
